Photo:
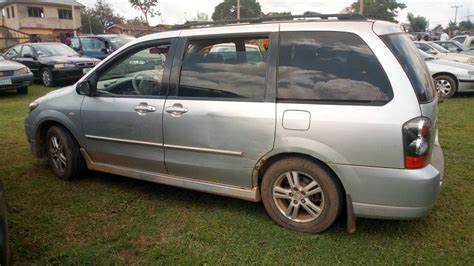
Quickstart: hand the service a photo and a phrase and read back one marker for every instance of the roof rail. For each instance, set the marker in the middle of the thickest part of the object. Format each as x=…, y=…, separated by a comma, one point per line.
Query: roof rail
x=191, y=24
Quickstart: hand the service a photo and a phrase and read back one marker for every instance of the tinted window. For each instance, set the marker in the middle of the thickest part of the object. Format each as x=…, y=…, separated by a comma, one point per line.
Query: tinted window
x=26, y=50
x=65, y=14
x=92, y=44
x=139, y=73
x=36, y=12
x=225, y=68
x=413, y=64
x=329, y=66
x=75, y=43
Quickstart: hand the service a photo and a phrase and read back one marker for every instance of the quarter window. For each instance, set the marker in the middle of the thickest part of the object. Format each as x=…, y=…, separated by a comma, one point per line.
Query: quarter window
x=138, y=74
x=36, y=12
x=65, y=13
x=329, y=66
x=225, y=68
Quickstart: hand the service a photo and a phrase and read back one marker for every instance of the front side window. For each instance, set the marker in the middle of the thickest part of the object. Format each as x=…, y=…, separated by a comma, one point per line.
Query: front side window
x=36, y=12
x=65, y=14
x=138, y=74
x=92, y=44
x=75, y=44
x=329, y=66
x=26, y=51
x=225, y=68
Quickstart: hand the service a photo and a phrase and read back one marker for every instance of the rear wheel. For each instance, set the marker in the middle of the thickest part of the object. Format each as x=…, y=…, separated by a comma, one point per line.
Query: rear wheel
x=63, y=154
x=301, y=195
x=445, y=86
x=47, y=77
x=22, y=90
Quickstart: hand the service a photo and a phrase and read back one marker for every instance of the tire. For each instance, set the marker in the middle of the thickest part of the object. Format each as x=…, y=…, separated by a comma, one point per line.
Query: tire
x=278, y=195
x=63, y=153
x=445, y=86
x=47, y=77
x=23, y=90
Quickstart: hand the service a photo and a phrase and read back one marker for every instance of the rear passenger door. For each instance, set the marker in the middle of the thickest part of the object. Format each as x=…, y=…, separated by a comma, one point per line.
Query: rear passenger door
x=219, y=117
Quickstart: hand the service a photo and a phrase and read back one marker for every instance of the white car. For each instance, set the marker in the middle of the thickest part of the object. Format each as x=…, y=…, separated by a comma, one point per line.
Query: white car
x=437, y=51
x=464, y=39
x=450, y=77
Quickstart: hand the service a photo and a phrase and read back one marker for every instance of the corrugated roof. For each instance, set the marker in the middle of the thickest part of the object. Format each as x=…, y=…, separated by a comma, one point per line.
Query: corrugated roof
x=41, y=2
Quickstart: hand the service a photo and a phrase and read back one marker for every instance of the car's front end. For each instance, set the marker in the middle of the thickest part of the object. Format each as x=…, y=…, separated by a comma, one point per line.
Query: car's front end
x=14, y=76
x=71, y=68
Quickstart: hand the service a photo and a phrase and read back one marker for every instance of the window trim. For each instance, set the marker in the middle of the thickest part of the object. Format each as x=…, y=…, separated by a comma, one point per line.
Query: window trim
x=270, y=79
x=374, y=103
x=133, y=49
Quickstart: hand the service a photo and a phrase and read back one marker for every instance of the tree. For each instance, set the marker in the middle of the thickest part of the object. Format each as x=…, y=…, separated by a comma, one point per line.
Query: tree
x=136, y=21
x=418, y=23
x=228, y=9
x=147, y=7
x=104, y=13
x=452, y=26
x=465, y=25
x=201, y=16
x=378, y=9
x=90, y=23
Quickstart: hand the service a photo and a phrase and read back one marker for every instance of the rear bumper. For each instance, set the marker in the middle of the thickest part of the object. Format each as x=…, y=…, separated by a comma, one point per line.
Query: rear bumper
x=393, y=193
x=18, y=81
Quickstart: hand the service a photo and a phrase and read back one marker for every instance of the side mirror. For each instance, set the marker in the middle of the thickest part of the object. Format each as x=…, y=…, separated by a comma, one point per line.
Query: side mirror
x=28, y=55
x=88, y=87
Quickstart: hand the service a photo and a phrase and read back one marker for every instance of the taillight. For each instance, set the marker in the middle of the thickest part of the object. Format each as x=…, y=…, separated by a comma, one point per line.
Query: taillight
x=418, y=144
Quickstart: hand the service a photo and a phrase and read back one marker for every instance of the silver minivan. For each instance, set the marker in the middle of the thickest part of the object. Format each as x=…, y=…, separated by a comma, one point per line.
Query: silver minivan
x=321, y=116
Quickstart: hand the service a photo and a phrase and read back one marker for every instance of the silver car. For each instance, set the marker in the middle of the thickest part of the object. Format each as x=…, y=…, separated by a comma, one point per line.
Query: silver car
x=450, y=77
x=337, y=115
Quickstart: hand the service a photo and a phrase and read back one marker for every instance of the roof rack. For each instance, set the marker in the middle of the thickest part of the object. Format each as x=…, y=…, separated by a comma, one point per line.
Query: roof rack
x=191, y=24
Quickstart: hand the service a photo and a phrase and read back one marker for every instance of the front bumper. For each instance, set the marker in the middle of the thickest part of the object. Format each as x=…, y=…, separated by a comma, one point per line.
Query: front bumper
x=18, y=81
x=74, y=73
x=389, y=193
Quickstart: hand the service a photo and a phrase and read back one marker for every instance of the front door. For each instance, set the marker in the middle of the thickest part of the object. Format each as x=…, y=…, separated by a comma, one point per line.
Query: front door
x=28, y=58
x=123, y=122
x=217, y=120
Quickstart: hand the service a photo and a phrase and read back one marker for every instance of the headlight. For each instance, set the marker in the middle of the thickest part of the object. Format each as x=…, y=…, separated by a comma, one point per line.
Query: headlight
x=63, y=65
x=24, y=70
x=33, y=106
x=470, y=60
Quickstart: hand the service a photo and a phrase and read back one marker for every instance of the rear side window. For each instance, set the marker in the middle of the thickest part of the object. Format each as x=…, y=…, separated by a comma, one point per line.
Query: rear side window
x=330, y=66
x=225, y=68
x=413, y=64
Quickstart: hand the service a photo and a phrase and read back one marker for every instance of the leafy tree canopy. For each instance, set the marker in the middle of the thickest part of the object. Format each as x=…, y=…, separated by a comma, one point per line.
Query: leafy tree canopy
x=378, y=9
x=418, y=23
x=228, y=9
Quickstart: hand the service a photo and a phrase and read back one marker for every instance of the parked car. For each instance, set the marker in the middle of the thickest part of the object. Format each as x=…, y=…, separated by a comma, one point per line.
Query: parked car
x=338, y=116
x=467, y=40
x=52, y=62
x=4, y=242
x=455, y=47
x=439, y=52
x=14, y=76
x=99, y=46
x=450, y=77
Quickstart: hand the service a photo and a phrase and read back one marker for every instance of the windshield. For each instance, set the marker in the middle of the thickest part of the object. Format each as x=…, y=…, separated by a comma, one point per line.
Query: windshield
x=439, y=48
x=120, y=41
x=44, y=50
x=425, y=56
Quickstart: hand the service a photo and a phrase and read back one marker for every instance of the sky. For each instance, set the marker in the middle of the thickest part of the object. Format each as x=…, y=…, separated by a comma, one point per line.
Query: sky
x=178, y=11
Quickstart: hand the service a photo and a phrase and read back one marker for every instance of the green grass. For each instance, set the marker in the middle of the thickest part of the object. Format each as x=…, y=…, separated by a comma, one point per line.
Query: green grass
x=103, y=218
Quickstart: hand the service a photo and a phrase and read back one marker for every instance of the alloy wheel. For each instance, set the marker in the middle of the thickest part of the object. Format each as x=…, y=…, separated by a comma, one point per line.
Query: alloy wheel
x=443, y=87
x=298, y=196
x=57, y=154
x=46, y=76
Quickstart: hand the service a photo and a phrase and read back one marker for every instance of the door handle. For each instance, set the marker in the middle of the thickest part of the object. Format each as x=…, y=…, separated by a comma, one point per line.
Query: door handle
x=144, y=108
x=177, y=109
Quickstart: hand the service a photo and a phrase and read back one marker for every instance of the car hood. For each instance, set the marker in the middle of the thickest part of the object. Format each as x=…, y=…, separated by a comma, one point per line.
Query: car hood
x=450, y=64
x=60, y=59
x=10, y=65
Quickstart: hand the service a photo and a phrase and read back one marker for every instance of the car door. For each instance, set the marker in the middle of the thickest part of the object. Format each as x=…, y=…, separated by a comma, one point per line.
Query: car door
x=219, y=117
x=123, y=121
x=28, y=58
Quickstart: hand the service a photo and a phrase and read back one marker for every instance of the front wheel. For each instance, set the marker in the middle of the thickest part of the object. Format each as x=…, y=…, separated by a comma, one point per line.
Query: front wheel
x=47, y=77
x=301, y=195
x=63, y=154
x=445, y=86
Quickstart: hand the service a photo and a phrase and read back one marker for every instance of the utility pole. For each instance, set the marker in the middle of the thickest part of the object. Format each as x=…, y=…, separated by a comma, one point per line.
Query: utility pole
x=361, y=7
x=238, y=9
x=456, y=12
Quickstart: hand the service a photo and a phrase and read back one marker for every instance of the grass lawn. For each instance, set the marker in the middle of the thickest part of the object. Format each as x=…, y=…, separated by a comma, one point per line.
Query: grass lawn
x=103, y=218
